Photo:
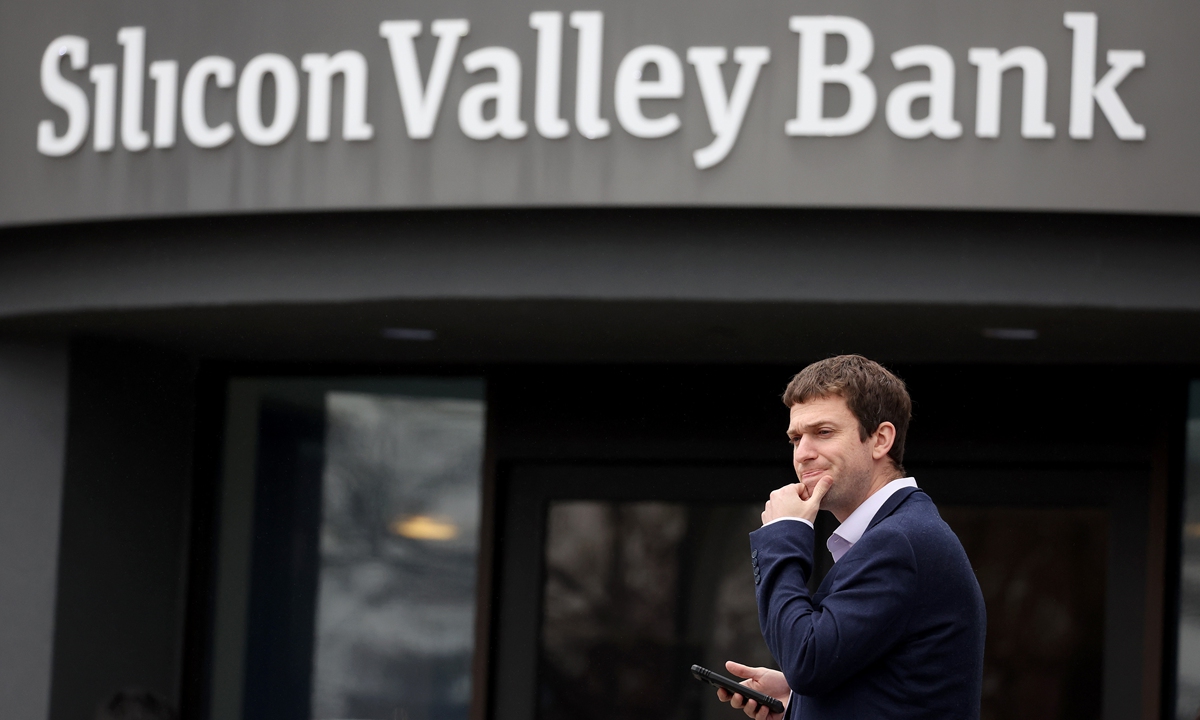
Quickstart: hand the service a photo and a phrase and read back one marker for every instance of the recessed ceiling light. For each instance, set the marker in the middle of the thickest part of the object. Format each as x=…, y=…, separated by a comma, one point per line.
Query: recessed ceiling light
x=420, y=334
x=1010, y=333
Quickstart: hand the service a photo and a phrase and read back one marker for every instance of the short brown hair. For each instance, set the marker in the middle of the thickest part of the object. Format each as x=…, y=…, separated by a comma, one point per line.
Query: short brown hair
x=872, y=393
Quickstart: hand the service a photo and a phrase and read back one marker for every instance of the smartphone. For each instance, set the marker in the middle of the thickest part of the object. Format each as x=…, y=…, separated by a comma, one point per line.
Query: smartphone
x=734, y=686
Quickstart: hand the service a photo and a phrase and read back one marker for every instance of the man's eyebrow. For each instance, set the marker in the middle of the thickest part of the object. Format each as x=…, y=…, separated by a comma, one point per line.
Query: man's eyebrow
x=794, y=431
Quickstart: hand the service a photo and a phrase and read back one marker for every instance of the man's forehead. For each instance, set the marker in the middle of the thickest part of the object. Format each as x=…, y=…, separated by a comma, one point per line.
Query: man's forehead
x=828, y=408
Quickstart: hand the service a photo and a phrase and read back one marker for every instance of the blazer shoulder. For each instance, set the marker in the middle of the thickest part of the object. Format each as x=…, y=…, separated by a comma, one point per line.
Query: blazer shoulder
x=897, y=503
x=890, y=537
x=922, y=527
x=887, y=546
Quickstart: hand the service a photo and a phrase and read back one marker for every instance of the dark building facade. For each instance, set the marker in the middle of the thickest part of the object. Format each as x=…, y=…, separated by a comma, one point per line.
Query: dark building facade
x=363, y=362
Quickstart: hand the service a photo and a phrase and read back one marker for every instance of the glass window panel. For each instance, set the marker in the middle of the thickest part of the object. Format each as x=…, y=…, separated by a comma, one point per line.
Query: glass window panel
x=398, y=557
x=1187, y=704
x=348, y=548
x=637, y=592
x=1042, y=573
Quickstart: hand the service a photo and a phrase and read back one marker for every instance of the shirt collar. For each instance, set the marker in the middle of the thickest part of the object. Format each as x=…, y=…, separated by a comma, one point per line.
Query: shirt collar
x=851, y=531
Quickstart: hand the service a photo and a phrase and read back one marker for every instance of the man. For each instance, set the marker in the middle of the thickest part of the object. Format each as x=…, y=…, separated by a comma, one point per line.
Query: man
x=896, y=629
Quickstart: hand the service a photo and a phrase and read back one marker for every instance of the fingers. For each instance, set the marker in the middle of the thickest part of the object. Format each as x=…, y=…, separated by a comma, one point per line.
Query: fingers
x=786, y=490
x=751, y=708
x=782, y=498
x=743, y=671
x=805, y=493
x=723, y=695
x=822, y=487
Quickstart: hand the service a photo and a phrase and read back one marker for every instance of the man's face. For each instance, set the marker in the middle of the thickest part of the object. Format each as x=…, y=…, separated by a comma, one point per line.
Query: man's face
x=825, y=441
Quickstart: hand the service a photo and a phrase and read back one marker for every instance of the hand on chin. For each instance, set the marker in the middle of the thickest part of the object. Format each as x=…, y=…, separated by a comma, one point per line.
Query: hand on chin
x=810, y=482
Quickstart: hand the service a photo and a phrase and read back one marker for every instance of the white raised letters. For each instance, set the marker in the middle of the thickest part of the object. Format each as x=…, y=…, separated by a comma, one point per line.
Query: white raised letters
x=249, y=99
x=104, y=77
x=421, y=105
x=725, y=112
x=505, y=92
x=321, y=68
x=165, y=74
x=195, y=88
x=587, y=75
x=133, y=137
x=810, y=120
x=632, y=89
x=546, y=116
x=1084, y=88
x=65, y=94
x=646, y=76
x=938, y=89
x=992, y=65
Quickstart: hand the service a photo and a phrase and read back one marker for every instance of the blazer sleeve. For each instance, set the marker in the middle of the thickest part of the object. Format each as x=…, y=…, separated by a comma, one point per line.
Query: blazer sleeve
x=862, y=618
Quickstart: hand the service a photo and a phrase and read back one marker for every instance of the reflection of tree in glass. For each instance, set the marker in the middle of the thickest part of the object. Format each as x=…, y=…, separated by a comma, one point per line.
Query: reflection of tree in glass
x=1042, y=572
x=611, y=595
x=395, y=613
x=392, y=457
x=634, y=594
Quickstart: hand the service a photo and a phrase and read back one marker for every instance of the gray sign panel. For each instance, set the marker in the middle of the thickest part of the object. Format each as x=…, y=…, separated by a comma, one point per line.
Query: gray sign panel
x=137, y=108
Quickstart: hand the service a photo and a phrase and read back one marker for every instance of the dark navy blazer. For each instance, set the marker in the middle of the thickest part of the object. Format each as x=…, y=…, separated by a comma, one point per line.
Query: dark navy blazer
x=896, y=629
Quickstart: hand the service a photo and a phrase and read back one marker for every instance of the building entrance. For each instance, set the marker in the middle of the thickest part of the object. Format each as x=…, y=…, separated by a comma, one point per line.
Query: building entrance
x=615, y=579
x=565, y=542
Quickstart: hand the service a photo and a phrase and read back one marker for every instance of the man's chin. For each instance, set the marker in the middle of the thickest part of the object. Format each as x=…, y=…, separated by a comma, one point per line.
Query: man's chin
x=811, y=481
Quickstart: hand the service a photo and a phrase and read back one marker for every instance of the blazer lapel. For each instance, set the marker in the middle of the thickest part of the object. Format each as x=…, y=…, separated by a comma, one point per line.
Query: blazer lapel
x=886, y=509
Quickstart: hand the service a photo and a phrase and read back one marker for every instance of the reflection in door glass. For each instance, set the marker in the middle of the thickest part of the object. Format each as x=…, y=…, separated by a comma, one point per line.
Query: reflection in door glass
x=398, y=553
x=1187, y=705
x=635, y=593
x=1042, y=573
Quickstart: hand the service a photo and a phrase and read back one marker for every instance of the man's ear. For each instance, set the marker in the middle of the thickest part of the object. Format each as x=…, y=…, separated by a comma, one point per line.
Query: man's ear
x=882, y=439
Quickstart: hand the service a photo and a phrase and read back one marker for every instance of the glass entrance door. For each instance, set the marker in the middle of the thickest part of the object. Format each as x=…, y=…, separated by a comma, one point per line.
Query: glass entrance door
x=614, y=580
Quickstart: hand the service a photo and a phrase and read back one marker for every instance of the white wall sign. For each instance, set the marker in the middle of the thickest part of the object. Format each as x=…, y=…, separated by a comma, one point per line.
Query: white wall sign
x=510, y=105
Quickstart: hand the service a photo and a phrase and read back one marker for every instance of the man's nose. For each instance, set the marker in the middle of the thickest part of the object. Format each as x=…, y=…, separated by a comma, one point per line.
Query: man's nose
x=804, y=451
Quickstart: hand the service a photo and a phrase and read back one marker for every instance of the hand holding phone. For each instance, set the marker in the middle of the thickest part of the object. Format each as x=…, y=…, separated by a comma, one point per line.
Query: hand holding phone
x=733, y=687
